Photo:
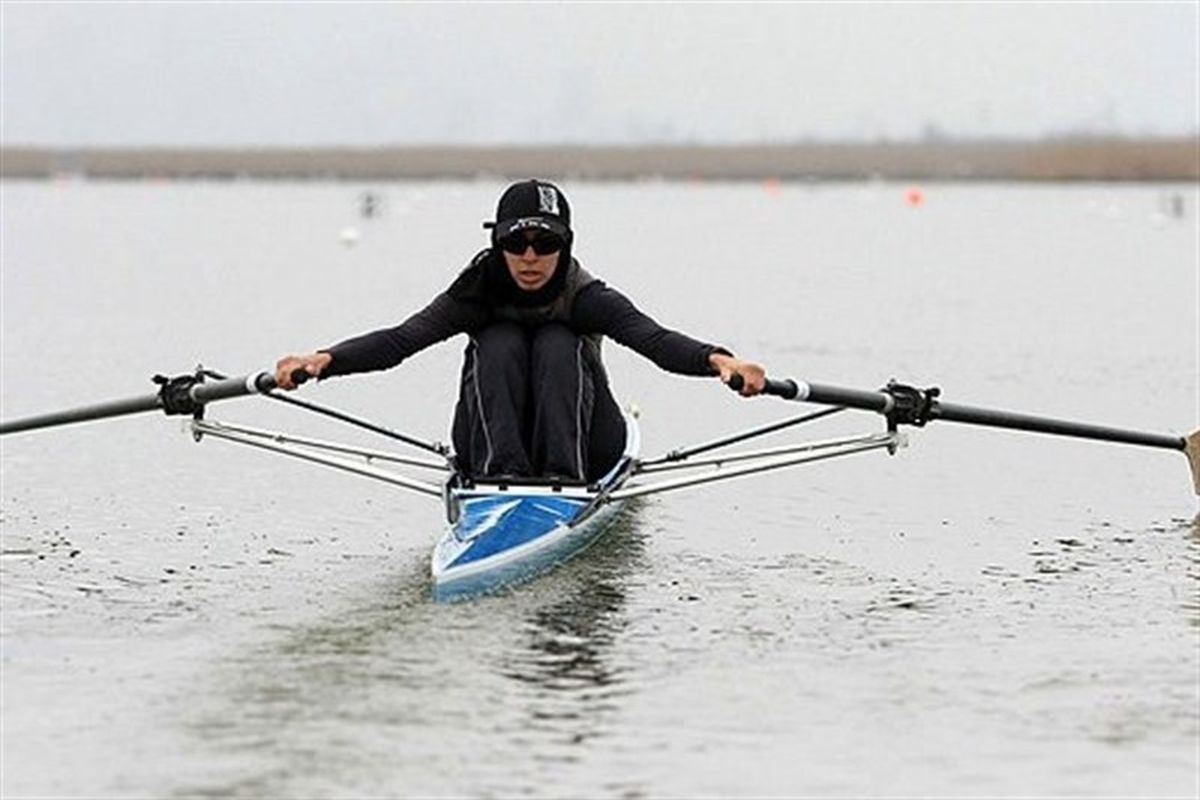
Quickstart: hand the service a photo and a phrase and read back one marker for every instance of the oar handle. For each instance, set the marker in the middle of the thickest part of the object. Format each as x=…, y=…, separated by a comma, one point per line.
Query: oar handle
x=267, y=381
x=785, y=388
x=199, y=393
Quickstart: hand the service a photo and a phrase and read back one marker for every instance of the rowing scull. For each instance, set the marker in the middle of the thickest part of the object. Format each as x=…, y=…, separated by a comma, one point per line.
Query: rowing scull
x=500, y=534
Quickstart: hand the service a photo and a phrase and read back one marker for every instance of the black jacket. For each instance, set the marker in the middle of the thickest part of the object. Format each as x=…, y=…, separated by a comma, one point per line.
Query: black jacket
x=595, y=309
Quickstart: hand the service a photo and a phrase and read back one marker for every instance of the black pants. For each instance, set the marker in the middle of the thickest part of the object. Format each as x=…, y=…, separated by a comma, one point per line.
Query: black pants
x=535, y=402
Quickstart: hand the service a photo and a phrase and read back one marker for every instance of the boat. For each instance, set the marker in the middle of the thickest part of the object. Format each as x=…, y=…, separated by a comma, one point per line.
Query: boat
x=501, y=534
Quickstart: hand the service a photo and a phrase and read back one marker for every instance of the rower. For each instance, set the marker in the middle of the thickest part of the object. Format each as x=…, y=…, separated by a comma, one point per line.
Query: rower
x=534, y=399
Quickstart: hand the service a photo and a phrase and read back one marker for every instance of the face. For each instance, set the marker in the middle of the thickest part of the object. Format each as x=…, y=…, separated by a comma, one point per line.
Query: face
x=529, y=270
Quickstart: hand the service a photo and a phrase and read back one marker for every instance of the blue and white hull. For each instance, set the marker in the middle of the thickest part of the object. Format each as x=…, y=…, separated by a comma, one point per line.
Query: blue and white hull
x=502, y=535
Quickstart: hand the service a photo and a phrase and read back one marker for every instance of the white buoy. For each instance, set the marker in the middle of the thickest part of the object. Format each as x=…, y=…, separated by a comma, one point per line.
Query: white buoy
x=349, y=236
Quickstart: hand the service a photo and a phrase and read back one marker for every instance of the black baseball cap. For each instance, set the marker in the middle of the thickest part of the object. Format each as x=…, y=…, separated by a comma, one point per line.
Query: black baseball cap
x=532, y=204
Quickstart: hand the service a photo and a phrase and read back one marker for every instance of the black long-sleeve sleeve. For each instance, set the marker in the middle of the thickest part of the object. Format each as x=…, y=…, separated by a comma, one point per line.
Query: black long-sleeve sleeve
x=385, y=348
x=601, y=309
x=598, y=308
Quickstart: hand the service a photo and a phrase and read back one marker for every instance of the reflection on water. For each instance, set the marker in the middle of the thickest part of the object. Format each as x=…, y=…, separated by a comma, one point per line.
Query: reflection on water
x=388, y=695
x=565, y=670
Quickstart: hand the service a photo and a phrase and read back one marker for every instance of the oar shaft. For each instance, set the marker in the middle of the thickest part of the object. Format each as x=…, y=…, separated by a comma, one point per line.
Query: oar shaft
x=226, y=388
x=199, y=394
x=115, y=408
x=953, y=412
x=851, y=398
x=789, y=389
x=884, y=402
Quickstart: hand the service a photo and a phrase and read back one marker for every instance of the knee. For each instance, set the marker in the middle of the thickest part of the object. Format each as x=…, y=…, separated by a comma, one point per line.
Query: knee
x=504, y=341
x=554, y=340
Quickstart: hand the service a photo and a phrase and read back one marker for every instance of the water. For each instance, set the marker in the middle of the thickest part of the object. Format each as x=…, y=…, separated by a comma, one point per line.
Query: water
x=986, y=613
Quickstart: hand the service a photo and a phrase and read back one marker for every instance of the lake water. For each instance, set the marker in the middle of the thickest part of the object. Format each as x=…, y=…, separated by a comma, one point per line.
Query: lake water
x=985, y=613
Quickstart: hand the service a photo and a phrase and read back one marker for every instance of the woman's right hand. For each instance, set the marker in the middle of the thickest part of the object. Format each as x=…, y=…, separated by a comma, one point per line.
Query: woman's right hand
x=313, y=364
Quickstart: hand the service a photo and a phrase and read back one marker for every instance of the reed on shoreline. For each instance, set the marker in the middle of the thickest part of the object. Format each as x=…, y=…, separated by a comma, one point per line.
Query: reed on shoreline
x=1074, y=158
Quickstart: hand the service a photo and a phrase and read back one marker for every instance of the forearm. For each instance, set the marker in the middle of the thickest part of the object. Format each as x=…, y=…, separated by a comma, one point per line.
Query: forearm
x=602, y=309
x=673, y=351
x=381, y=349
x=387, y=347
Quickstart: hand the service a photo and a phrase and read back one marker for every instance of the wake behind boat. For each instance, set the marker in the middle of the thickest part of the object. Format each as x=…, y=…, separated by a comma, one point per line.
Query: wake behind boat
x=502, y=533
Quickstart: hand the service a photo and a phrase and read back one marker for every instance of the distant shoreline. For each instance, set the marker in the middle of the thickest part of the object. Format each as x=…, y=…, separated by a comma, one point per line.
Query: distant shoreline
x=1057, y=159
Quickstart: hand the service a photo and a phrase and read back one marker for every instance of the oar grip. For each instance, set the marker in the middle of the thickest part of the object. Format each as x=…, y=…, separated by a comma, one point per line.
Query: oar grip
x=265, y=381
x=786, y=388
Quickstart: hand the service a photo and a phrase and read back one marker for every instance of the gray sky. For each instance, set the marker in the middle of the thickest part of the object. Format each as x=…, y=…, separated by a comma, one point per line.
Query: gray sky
x=365, y=74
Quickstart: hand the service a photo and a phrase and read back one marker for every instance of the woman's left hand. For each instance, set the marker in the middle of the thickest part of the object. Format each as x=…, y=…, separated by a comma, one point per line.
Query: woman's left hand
x=754, y=376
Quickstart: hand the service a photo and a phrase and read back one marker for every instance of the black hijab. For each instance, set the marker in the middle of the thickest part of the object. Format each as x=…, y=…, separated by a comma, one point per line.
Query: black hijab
x=531, y=204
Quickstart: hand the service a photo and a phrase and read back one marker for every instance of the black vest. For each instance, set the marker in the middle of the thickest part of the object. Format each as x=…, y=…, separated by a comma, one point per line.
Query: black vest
x=557, y=310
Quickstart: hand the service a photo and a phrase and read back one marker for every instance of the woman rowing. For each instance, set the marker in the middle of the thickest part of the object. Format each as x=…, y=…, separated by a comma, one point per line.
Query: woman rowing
x=534, y=399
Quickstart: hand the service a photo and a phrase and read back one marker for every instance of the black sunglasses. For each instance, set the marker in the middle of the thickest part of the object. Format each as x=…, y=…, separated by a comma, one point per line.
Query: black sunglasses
x=543, y=244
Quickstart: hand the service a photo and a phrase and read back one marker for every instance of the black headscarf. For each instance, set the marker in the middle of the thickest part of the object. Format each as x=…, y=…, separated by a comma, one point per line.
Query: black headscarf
x=531, y=204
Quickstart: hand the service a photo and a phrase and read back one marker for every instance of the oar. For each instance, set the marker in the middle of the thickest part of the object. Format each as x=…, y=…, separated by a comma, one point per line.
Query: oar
x=184, y=394
x=907, y=405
